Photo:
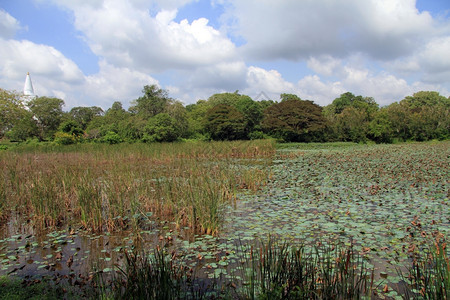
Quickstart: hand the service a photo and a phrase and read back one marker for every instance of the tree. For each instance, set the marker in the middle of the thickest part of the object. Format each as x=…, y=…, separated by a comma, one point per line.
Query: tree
x=286, y=97
x=224, y=122
x=23, y=128
x=380, y=128
x=195, y=116
x=12, y=111
x=399, y=118
x=153, y=102
x=251, y=110
x=367, y=104
x=294, y=120
x=84, y=115
x=428, y=115
x=161, y=128
x=352, y=125
x=426, y=99
x=347, y=127
x=224, y=98
x=178, y=112
x=99, y=126
x=48, y=113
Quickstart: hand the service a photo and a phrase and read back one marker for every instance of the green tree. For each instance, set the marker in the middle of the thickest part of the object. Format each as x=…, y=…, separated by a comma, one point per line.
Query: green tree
x=229, y=99
x=161, y=128
x=195, y=115
x=294, y=121
x=366, y=104
x=48, y=113
x=84, y=115
x=380, y=128
x=352, y=125
x=399, y=117
x=12, y=111
x=23, y=128
x=286, y=97
x=153, y=102
x=251, y=110
x=224, y=122
x=178, y=112
x=112, y=121
x=428, y=115
x=71, y=127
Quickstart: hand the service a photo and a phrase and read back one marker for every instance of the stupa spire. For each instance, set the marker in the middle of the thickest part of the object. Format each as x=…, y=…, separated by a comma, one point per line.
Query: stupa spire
x=28, y=88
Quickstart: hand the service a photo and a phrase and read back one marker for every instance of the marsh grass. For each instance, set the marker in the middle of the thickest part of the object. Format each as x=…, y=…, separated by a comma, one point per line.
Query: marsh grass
x=101, y=186
x=278, y=271
x=272, y=270
x=429, y=275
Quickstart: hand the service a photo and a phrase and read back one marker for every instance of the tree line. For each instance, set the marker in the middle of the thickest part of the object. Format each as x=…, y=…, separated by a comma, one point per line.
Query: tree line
x=156, y=117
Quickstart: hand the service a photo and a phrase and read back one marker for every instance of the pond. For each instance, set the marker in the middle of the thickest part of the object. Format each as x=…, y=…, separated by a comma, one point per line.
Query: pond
x=386, y=201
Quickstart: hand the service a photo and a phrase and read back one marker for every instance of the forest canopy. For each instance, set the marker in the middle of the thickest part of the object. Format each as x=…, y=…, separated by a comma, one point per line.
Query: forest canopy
x=156, y=117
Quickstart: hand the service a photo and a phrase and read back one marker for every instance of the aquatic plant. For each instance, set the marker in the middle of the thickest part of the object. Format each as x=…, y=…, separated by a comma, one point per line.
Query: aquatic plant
x=429, y=275
x=102, y=186
x=279, y=271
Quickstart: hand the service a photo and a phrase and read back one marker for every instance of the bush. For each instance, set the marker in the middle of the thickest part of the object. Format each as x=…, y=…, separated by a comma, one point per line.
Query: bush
x=160, y=128
x=64, y=138
x=256, y=135
x=111, y=138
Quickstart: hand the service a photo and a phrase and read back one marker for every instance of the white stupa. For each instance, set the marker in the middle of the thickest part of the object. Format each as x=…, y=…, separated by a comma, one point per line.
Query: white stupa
x=28, y=88
x=28, y=91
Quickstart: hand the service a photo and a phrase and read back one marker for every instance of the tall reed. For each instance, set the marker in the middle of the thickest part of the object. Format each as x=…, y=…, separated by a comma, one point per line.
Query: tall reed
x=271, y=270
x=278, y=271
x=429, y=275
x=101, y=186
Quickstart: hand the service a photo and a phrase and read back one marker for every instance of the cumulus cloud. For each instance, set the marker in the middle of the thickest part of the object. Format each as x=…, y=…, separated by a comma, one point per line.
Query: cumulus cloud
x=344, y=45
x=115, y=84
x=311, y=87
x=325, y=65
x=20, y=57
x=384, y=29
x=129, y=36
x=268, y=81
x=8, y=25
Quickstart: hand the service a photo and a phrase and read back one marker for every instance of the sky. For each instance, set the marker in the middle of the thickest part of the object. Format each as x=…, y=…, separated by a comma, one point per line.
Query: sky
x=96, y=52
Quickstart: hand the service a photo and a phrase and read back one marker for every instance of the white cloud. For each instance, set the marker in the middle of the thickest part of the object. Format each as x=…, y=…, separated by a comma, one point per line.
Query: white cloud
x=325, y=65
x=8, y=25
x=115, y=84
x=295, y=30
x=323, y=93
x=344, y=44
x=146, y=43
x=20, y=57
x=270, y=82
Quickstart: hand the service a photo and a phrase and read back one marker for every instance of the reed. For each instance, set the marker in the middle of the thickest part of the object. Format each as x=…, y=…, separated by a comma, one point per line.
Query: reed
x=272, y=270
x=429, y=275
x=278, y=271
x=102, y=186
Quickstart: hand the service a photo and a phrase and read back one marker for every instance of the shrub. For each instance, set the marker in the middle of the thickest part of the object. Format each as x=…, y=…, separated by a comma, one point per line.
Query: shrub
x=111, y=138
x=64, y=138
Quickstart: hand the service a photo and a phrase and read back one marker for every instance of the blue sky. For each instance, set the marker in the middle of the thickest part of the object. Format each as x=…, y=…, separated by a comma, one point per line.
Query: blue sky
x=99, y=51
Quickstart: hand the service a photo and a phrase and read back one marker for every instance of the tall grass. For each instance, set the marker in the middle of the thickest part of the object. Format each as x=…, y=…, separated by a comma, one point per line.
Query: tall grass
x=429, y=275
x=278, y=271
x=100, y=186
x=271, y=271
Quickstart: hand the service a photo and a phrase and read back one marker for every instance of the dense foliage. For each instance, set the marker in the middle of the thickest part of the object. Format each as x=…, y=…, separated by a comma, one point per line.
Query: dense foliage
x=156, y=117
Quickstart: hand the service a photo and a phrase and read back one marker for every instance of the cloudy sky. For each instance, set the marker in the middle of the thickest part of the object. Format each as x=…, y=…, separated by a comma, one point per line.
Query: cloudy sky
x=95, y=52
